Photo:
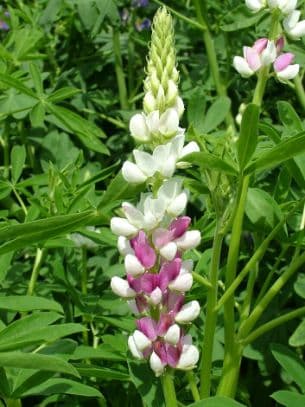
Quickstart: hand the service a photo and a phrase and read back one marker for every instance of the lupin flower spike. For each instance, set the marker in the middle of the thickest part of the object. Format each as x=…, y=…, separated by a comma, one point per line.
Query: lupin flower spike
x=153, y=235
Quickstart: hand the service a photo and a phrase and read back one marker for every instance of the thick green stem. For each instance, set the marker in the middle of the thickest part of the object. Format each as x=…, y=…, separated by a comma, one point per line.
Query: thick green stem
x=119, y=69
x=231, y=361
x=248, y=325
x=211, y=318
x=169, y=389
x=13, y=403
x=35, y=271
x=268, y=326
x=84, y=282
x=299, y=90
x=260, y=86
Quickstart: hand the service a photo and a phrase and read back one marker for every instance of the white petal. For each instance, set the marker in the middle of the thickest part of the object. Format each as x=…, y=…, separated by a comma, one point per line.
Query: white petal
x=121, y=288
x=156, y=296
x=156, y=364
x=153, y=121
x=254, y=5
x=170, y=189
x=133, y=348
x=269, y=54
x=172, y=91
x=149, y=102
x=179, y=106
x=291, y=20
x=169, y=251
x=191, y=147
x=141, y=341
x=182, y=283
x=133, y=266
x=288, y=6
x=242, y=67
x=132, y=173
x=188, y=240
x=138, y=128
x=133, y=215
x=124, y=246
x=273, y=3
x=189, y=357
x=188, y=312
x=122, y=227
x=165, y=162
x=288, y=73
x=178, y=205
x=176, y=146
x=172, y=335
x=169, y=122
x=145, y=162
x=298, y=30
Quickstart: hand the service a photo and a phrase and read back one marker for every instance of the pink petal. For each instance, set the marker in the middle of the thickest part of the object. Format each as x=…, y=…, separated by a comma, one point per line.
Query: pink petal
x=159, y=348
x=141, y=303
x=169, y=271
x=165, y=321
x=148, y=326
x=173, y=355
x=145, y=283
x=260, y=44
x=143, y=251
x=252, y=58
x=173, y=301
x=134, y=283
x=283, y=61
x=179, y=226
x=161, y=237
x=280, y=44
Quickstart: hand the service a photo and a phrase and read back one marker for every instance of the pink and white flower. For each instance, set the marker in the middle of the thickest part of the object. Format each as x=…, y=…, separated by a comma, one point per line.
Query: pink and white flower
x=283, y=67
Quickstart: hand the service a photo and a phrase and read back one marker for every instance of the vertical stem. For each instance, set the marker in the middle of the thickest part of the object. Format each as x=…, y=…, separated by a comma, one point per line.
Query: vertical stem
x=13, y=403
x=260, y=86
x=211, y=318
x=192, y=383
x=6, y=154
x=169, y=390
x=35, y=271
x=84, y=278
x=299, y=90
x=119, y=69
x=212, y=58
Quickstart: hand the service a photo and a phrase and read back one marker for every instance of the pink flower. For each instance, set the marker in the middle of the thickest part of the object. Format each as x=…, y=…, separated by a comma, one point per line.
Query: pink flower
x=283, y=68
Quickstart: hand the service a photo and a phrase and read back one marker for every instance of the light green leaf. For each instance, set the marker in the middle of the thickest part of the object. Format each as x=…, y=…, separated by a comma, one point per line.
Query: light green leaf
x=239, y=18
x=210, y=162
x=36, y=361
x=18, y=156
x=104, y=351
x=37, y=80
x=216, y=114
x=62, y=94
x=289, y=117
x=217, y=401
x=26, y=303
x=282, y=152
x=293, y=365
x=10, y=81
x=289, y=398
x=101, y=372
x=298, y=337
x=37, y=115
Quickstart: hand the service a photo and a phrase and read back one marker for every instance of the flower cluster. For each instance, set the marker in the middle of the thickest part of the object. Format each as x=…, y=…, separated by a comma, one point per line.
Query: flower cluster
x=293, y=27
x=154, y=234
x=263, y=53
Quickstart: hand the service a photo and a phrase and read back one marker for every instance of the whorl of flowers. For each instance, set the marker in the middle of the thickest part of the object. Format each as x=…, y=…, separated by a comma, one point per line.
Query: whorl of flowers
x=154, y=234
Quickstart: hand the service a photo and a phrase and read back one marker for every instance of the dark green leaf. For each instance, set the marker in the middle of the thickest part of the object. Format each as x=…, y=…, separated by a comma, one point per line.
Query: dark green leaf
x=216, y=114
x=18, y=156
x=210, y=162
x=289, y=398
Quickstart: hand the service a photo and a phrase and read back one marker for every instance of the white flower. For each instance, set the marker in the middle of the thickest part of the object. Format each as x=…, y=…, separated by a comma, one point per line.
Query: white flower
x=172, y=335
x=124, y=246
x=268, y=55
x=156, y=364
x=189, y=357
x=133, y=348
x=133, y=266
x=132, y=173
x=121, y=288
x=255, y=5
x=138, y=127
x=155, y=296
x=169, y=251
x=188, y=240
x=141, y=341
x=286, y=6
x=242, y=67
x=182, y=283
x=288, y=73
x=122, y=227
x=188, y=312
x=294, y=28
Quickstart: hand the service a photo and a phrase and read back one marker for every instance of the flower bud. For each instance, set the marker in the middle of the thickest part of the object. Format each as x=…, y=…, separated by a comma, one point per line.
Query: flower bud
x=178, y=205
x=242, y=67
x=138, y=128
x=182, y=283
x=149, y=102
x=255, y=5
x=156, y=364
x=121, y=288
x=122, y=227
x=155, y=296
x=169, y=251
x=124, y=246
x=172, y=335
x=188, y=312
